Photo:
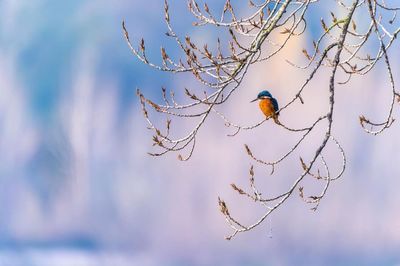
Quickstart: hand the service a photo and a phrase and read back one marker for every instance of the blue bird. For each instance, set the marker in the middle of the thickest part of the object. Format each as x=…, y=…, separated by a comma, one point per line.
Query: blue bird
x=268, y=105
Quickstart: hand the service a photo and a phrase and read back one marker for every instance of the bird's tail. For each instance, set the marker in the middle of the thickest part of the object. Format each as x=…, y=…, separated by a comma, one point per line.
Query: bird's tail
x=275, y=117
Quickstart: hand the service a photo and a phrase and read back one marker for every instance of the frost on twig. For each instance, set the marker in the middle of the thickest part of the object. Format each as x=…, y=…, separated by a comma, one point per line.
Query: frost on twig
x=343, y=46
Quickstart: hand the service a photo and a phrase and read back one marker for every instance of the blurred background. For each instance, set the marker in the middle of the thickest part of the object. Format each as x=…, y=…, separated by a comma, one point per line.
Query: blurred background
x=78, y=188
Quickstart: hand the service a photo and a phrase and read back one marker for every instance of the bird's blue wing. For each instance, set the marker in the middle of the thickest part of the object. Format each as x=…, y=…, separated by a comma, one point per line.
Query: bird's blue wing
x=275, y=104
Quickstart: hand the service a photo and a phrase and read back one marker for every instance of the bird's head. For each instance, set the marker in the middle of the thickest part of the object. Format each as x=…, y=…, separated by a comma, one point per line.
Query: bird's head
x=263, y=95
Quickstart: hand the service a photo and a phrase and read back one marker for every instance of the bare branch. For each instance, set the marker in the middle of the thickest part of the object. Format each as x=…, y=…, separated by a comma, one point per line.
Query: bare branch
x=343, y=46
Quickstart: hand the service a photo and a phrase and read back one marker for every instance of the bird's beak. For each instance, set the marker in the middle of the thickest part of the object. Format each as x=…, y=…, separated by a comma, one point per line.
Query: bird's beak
x=254, y=100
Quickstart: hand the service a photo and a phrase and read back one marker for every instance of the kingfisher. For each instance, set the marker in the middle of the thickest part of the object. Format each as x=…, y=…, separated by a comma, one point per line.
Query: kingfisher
x=268, y=105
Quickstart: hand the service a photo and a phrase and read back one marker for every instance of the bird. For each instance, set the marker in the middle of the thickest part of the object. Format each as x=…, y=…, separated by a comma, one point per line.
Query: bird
x=268, y=105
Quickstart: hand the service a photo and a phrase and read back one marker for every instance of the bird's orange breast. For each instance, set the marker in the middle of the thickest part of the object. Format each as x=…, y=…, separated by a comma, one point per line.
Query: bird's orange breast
x=267, y=107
